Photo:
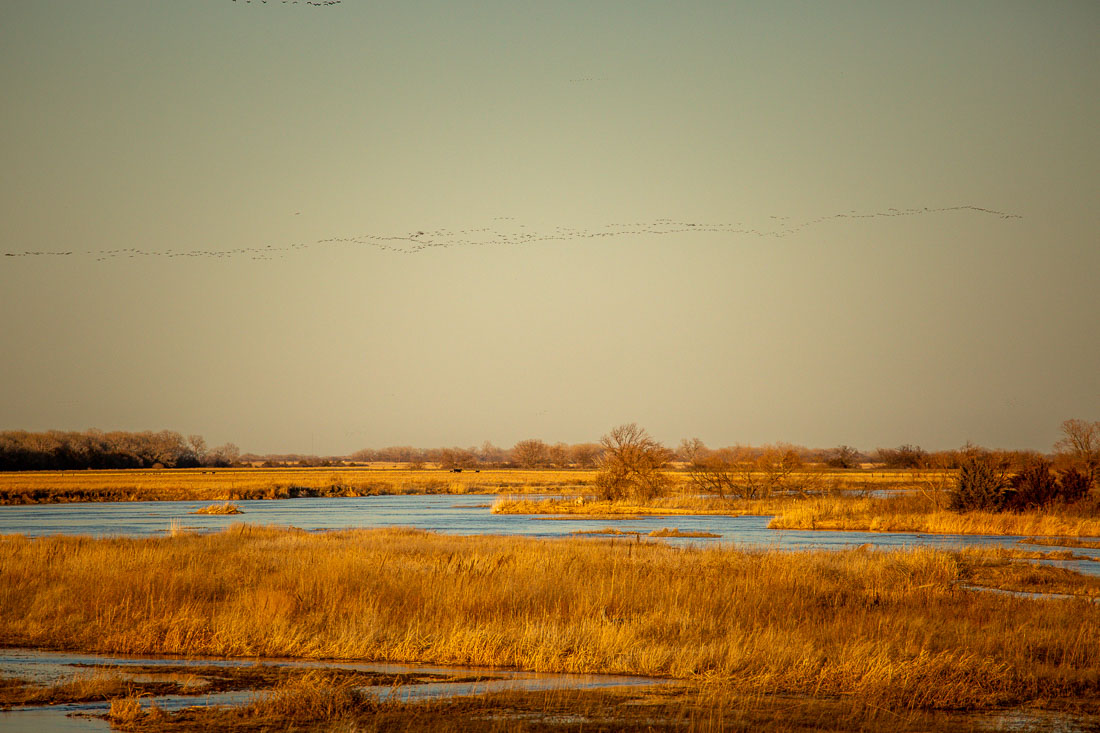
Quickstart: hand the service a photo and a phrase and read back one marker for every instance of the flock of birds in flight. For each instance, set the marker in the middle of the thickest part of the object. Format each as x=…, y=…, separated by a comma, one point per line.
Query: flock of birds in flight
x=420, y=241
x=316, y=4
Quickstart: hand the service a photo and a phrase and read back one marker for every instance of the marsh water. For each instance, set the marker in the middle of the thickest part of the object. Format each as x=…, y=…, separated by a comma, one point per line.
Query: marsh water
x=52, y=667
x=459, y=514
x=450, y=514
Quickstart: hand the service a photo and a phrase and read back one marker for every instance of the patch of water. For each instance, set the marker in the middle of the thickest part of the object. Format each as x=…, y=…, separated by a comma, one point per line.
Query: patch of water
x=1038, y=721
x=51, y=667
x=57, y=719
x=1027, y=594
x=457, y=514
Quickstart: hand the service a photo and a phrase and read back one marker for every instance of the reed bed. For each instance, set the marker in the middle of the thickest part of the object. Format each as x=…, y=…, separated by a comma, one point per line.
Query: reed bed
x=237, y=484
x=219, y=509
x=838, y=511
x=914, y=514
x=892, y=628
x=94, y=685
x=680, y=504
x=677, y=532
x=320, y=705
x=1061, y=542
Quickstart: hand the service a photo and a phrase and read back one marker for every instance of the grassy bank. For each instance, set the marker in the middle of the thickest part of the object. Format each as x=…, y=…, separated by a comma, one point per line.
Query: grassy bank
x=905, y=512
x=319, y=705
x=893, y=628
x=237, y=484
x=914, y=513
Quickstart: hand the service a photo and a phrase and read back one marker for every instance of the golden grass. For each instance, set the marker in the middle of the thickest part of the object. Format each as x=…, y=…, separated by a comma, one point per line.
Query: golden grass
x=95, y=685
x=892, y=628
x=1000, y=568
x=677, y=532
x=235, y=484
x=684, y=708
x=219, y=509
x=839, y=511
x=664, y=532
x=1060, y=542
x=682, y=504
x=910, y=514
x=608, y=531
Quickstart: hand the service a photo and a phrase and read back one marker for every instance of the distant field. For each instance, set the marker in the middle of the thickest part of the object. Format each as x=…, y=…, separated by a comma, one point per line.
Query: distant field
x=234, y=484
x=231, y=484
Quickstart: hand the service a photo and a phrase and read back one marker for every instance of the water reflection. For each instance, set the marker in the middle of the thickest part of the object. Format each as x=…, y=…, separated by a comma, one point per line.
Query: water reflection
x=461, y=514
x=52, y=667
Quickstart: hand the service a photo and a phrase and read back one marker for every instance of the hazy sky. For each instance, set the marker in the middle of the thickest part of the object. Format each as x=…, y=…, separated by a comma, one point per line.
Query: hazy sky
x=649, y=212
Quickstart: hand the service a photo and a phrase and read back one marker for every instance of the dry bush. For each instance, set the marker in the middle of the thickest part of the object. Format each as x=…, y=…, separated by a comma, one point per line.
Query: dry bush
x=219, y=509
x=746, y=473
x=981, y=486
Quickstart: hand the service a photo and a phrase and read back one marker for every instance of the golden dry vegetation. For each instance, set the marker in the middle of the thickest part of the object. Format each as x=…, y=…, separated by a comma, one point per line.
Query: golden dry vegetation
x=894, y=629
x=909, y=511
x=1061, y=542
x=235, y=484
x=836, y=499
x=123, y=685
x=319, y=704
x=94, y=685
x=219, y=509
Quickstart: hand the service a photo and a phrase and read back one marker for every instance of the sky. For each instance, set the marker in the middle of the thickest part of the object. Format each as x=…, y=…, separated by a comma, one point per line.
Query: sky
x=315, y=229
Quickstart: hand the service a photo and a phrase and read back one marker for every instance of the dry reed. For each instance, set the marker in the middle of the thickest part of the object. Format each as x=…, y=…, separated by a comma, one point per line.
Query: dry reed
x=677, y=532
x=891, y=627
x=912, y=514
x=219, y=509
x=685, y=709
x=907, y=512
x=236, y=484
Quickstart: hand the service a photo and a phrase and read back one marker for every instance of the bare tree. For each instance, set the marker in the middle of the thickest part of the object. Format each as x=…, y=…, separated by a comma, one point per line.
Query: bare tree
x=490, y=454
x=558, y=455
x=691, y=451
x=712, y=471
x=631, y=465
x=1080, y=442
x=197, y=444
x=584, y=455
x=224, y=455
x=843, y=456
x=530, y=453
x=905, y=456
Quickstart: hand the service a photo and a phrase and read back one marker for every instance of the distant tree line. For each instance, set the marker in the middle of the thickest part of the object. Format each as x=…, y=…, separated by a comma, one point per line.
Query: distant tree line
x=54, y=450
x=741, y=470
x=530, y=453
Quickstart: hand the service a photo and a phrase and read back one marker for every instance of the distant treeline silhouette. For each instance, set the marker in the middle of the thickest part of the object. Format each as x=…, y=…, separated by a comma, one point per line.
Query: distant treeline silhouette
x=22, y=450
x=55, y=450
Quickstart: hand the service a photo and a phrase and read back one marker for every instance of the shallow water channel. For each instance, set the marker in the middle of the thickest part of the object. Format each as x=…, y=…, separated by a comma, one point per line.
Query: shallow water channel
x=460, y=514
x=52, y=667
